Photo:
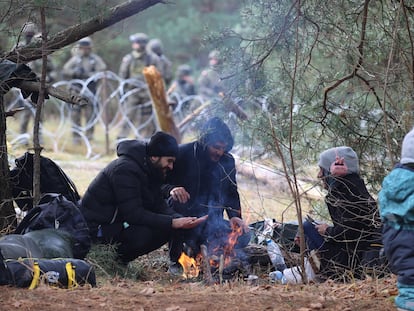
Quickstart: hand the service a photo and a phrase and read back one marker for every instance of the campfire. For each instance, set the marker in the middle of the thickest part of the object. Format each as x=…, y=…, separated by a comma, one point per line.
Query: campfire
x=222, y=262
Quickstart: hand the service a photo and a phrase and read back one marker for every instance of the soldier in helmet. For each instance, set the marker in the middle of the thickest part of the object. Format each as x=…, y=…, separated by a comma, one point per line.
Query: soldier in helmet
x=82, y=65
x=164, y=64
x=30, y=33
x=132, y=66
x=183, y=85
x=209, y=82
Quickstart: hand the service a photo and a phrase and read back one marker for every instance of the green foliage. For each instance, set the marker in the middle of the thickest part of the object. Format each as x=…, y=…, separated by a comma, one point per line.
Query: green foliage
x=105, y=260
x=327, y=79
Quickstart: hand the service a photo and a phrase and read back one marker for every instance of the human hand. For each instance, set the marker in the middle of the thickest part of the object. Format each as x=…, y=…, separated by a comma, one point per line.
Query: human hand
x=180, y=194
x=236, y=222
x=321, y=228
x=187, y=222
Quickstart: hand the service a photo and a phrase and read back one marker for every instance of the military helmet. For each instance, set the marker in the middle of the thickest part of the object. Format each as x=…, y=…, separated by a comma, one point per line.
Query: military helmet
x=184, y=70
x=29, y=29
x=85, y=42
x=155, y=45
x=139, y=37
x=214, y=54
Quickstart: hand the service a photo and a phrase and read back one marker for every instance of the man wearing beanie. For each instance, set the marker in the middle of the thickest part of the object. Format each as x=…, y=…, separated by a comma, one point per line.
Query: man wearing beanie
x=396, y=205
x=204, y=183
x=124, y=203
x=341, y=246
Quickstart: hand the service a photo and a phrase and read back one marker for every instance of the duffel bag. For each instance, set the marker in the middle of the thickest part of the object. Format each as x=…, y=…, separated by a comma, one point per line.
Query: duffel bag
x=59, y=272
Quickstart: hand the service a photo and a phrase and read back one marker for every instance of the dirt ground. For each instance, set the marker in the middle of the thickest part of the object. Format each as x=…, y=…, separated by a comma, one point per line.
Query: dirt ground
x=157, y=290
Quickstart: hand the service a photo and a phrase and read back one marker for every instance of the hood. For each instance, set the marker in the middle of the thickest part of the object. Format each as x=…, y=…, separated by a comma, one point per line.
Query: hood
x=134, y=149
x=215, y=130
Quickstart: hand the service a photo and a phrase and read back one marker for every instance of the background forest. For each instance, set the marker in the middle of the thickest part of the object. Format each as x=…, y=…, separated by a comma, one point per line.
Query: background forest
x=312, y=74
x=309, y=75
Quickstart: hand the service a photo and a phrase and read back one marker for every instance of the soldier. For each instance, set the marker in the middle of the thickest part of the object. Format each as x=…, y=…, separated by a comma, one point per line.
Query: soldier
x=82, y=65
x=164, y=64
x=30, y=33
x=132, y=66
x=183, y=84
x=209, y=83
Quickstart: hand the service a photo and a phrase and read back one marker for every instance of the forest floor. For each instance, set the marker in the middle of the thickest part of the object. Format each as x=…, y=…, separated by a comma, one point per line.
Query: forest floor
x=156, y=289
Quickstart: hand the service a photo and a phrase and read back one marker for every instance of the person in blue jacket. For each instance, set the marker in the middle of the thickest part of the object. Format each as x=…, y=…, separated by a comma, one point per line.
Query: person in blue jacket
x=204, y=183
x=396, y=204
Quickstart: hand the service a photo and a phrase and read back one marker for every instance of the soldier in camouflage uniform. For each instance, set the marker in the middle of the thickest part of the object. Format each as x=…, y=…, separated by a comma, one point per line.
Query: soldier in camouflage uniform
x=82, y=65
x=132, y=66
x=209, y=83
x=164, y=65
x=183, y=84
x=30, y=33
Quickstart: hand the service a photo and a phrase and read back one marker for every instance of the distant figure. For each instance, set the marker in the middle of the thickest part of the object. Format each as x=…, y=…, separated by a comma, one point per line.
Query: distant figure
x=83, y=65
x=132, y=67
x=164, y=65
x=183, y=84
x=181, y=87
x=30, y=33
x=209, y=83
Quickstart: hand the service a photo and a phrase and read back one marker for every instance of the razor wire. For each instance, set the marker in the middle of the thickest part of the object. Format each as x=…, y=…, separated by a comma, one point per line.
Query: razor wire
x=109, y=113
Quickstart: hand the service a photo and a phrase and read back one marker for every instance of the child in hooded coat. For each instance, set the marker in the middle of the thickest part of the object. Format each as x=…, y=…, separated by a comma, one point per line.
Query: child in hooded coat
x=396, y=203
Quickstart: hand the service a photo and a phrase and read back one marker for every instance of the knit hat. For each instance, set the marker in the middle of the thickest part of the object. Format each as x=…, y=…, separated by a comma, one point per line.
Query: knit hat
x=407, y=149
x=215, y=130
x=330, y=157
x=162, y=145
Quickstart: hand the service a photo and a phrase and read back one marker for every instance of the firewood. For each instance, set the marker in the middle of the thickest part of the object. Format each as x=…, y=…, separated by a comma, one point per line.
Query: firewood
x=163, y=112
x=206, y=265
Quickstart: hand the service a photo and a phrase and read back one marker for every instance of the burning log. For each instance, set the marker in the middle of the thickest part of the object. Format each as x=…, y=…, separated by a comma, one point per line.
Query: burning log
x=206, y=265
x=164, y=115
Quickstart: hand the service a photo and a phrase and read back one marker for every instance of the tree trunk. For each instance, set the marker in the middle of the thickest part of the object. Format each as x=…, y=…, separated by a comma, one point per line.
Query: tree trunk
x=7, y=213
x=159, y=102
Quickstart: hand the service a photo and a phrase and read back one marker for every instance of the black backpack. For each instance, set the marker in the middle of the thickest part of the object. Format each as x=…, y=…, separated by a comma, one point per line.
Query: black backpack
x=56, y=212
x=52, y=180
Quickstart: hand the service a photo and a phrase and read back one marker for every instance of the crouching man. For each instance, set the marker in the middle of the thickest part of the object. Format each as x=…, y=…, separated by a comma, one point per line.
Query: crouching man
x=124, y=204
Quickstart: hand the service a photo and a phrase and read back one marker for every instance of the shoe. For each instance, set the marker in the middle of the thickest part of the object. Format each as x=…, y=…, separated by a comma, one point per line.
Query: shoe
x=175, y=269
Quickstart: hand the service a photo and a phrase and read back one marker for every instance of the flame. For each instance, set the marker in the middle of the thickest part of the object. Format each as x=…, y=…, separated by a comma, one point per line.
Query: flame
x=190, y=266
x=227, y=250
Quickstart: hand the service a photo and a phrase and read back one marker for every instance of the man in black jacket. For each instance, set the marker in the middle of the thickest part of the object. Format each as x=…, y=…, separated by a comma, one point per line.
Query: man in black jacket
x=355, y=220
x=124, y=203
x=204, y=183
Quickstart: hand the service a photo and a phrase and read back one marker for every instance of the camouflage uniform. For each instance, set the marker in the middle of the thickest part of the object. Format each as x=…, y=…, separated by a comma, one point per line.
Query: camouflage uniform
x=183, y=84
x=164, y=65
x=209, y=83
x=82, y=65
x=132, y=66
x=30, y=32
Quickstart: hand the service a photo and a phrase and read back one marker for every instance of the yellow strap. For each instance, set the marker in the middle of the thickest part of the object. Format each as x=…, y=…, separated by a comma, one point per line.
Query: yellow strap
x=70, y=271
x=36, y=276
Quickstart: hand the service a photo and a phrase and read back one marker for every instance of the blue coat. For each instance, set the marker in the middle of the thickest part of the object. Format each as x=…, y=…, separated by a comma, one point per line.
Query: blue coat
x=396, y=202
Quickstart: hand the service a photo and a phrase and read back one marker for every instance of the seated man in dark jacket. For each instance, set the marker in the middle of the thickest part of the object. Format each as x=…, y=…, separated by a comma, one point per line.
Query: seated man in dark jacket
x=124, y=203
x=204, y=183
x=355, y=219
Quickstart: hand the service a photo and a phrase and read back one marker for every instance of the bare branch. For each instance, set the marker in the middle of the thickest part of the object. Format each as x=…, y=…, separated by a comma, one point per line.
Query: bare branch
x=72, y=34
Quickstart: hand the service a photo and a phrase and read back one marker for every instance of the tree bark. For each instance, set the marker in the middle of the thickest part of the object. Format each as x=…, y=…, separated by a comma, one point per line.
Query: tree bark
x=164, y=115
x=7, y=213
